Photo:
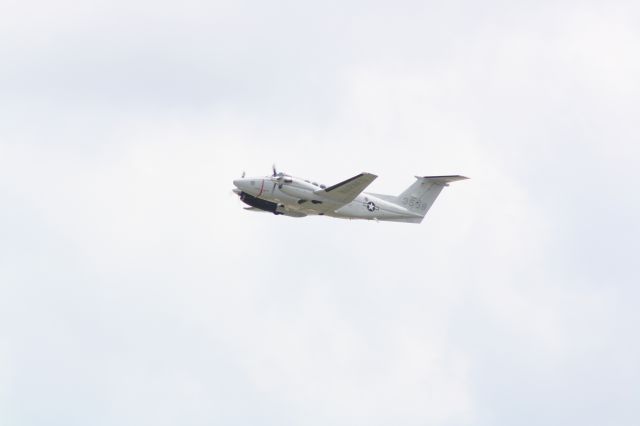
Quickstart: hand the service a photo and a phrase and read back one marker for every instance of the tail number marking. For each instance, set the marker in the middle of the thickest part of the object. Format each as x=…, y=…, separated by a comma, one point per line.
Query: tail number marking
x=414, y=203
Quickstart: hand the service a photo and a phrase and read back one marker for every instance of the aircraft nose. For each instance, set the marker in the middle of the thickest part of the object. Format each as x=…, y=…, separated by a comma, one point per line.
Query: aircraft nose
x=242, y=184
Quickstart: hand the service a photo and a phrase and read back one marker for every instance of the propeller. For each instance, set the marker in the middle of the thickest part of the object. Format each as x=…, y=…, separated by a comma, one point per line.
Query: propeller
x=273, y=177
x=276, y=178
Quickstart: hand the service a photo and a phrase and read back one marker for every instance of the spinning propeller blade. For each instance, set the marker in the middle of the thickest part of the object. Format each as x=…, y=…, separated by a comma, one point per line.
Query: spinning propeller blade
x=276, y=178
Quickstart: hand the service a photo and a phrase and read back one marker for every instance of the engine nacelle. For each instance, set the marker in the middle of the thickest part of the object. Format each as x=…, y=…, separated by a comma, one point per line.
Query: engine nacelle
x=290, y=213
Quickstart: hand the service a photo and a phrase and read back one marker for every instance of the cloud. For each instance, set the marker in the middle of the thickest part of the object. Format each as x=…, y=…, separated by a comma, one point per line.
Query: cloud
x=134, y=288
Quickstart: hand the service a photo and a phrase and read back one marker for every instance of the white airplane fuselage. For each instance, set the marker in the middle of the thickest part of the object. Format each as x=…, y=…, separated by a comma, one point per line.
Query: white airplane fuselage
x=291, y=196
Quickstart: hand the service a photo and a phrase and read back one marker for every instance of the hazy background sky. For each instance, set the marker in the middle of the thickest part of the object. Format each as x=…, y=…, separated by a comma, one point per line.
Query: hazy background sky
x=135, y=290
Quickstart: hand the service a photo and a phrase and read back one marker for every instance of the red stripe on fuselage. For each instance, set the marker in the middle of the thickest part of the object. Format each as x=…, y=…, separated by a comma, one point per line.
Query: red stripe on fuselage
x=261, y=188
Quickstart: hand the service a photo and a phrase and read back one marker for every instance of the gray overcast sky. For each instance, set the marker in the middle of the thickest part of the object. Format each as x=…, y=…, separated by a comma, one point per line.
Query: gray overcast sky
x=135, y=290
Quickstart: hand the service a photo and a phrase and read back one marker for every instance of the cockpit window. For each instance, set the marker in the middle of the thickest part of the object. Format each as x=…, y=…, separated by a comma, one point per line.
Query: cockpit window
x=287, y=179
x=314, y=184
x=323, y=186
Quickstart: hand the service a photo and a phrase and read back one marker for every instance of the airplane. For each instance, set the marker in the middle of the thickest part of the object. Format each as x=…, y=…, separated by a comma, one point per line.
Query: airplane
x=282, y=194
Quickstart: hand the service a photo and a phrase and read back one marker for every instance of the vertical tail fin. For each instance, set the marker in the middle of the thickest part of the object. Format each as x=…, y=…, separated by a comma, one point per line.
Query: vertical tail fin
x=420, y=196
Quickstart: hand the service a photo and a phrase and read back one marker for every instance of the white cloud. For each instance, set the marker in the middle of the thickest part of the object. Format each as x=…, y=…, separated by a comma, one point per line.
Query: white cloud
x=134, y=288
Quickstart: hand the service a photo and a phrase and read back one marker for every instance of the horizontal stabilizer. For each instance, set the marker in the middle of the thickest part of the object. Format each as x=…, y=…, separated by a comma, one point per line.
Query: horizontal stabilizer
x=442, y=180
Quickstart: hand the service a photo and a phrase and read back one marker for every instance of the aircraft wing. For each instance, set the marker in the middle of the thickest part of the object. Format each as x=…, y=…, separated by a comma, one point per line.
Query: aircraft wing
x=346, y=191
